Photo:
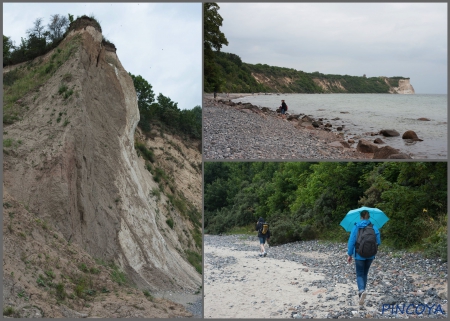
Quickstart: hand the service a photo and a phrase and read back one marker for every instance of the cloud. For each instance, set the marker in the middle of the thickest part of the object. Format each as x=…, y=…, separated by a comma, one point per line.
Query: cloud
x=376, y=39
x=159, y=41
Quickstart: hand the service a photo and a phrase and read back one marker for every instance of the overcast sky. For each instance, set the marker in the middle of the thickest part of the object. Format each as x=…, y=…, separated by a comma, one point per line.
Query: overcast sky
x=376, y=39
x=162, y=42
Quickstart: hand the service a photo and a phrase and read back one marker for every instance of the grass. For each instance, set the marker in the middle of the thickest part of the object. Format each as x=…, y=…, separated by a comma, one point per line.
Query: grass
x=195, y=259
x=145, y=152
x=8, y=142
x=247, y=230
x=117, y=275
x=26, y=80
x=8, y=311
x=148, y=295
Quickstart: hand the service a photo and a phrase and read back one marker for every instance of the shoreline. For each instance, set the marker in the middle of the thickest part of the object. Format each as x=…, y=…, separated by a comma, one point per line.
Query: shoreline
x=244, y=131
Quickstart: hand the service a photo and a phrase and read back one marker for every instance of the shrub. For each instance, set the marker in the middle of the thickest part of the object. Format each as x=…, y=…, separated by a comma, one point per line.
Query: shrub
x=170, y=223
x=60, y=291
x=117, y=275
x=195, y=259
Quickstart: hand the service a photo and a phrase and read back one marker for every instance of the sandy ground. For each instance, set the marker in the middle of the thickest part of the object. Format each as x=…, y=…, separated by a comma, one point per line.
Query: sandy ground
x=243, y=296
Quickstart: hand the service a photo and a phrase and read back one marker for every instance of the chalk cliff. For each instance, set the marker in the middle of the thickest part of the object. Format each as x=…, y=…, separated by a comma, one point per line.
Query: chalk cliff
x=72, y=164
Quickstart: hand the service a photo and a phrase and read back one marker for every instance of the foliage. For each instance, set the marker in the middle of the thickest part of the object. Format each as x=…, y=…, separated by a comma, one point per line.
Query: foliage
x=165, y=111
x=303, y=200
x=195, y=259
x=28, y=77
x=213, y=41
x=237, y=76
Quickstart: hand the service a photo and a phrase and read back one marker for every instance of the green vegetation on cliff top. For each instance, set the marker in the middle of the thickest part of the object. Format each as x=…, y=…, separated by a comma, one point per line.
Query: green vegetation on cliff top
x=239, y=77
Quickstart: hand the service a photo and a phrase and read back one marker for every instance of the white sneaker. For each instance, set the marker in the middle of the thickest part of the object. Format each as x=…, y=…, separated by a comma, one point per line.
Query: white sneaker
x=362, y=297
x=264, y=254
x=260, y=254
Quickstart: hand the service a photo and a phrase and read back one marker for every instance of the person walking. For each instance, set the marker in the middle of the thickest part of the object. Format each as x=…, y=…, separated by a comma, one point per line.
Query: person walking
x=362, y=244
x=263, y=234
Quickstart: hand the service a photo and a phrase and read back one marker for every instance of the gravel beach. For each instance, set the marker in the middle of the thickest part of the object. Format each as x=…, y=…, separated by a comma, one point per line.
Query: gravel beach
x=312, y=279
x=240, y=133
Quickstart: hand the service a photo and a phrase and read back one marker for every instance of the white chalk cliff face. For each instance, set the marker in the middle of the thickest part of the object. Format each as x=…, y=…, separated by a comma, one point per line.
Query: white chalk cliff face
x=82, y=174
x=404, y=87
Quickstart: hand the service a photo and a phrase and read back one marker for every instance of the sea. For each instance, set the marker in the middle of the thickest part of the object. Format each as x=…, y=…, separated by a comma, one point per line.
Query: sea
x=365, y=113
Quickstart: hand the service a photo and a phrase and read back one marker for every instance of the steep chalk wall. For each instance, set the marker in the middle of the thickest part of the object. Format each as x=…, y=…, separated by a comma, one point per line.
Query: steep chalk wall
x=81, y=172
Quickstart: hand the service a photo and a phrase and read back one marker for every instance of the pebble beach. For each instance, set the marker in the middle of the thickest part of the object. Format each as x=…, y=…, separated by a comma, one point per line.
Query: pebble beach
x=311, y=279
x=234, y=133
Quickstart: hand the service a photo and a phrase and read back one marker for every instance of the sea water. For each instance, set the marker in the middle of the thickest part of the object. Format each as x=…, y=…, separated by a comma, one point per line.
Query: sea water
x=365, y=113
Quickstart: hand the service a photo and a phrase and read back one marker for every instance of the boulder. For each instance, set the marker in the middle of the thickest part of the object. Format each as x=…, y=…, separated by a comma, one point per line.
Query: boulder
x=307, y=118
x=378, y=141
x=351, y=141
x=292, y=117
x=389, y=132
x=265, y=109
x=315, y=124
x=399, y=156
x=328, y=125
x=365, y=146
x=345, y=144
x=410, y=134
x=423, y=119
x=385, y=152
x=339, y=128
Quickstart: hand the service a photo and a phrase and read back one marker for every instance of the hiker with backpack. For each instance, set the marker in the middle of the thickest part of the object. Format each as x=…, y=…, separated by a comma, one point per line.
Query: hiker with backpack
x=263, y=234
x=363, y=244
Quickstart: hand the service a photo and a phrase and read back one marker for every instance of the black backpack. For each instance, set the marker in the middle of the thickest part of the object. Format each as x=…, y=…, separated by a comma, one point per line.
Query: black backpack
x=366, y=241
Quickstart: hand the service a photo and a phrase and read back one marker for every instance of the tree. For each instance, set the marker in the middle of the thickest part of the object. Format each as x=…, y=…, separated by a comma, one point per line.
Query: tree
x=37, y=30
x=145, y=94
x=57, y=27
x=213, y=40
x=7, y=46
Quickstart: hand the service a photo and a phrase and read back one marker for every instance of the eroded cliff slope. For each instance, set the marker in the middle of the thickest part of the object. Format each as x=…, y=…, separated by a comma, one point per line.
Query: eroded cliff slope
x=70, y=161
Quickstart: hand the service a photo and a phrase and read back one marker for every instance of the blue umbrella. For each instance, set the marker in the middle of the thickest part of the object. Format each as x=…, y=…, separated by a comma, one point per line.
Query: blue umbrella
x=377, y=217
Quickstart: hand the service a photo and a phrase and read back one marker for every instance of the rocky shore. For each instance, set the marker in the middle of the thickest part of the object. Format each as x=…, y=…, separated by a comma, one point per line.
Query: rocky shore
x=312, y=279
x=245, y=131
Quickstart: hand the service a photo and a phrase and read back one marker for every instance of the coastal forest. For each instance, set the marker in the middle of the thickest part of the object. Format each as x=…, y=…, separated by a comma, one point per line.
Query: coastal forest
x=305, y=200
x=226, y=72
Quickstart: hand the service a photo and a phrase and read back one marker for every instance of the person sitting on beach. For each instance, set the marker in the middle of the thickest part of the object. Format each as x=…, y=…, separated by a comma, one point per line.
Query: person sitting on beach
x=283, y=109
x=263, y=235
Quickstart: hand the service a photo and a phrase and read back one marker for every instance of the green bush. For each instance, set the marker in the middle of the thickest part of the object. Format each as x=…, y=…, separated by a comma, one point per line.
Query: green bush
x=195, y=259
x=169, y=222
x=146, y=153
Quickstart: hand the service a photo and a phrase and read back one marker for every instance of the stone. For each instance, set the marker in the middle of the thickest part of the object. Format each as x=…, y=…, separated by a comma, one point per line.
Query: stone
x=385, y=152
x=389, y=133
x=365, y=146
x=410, y=134
x=423, y=119
x=378, y=141
x=399, y=156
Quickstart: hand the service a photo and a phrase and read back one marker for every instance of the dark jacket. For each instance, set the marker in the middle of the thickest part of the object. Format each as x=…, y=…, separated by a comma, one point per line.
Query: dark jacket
x=259, y=228
x=283, y=105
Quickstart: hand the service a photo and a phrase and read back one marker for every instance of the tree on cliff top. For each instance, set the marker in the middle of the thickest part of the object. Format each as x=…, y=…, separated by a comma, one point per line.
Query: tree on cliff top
x=213, y=40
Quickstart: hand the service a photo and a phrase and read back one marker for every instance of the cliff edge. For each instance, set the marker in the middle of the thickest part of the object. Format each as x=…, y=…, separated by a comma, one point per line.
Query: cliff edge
x=70, y=161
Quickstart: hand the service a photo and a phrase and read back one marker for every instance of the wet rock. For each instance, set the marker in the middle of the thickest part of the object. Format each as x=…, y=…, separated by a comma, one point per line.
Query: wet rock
x=410, y=134
x=389, y=133
x=365, y=146
x=385, y=152
x=378, y=141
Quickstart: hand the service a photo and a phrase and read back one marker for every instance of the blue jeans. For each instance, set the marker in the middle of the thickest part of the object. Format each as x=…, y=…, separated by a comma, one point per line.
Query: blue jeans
x=362, y=269
x=262, y=240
